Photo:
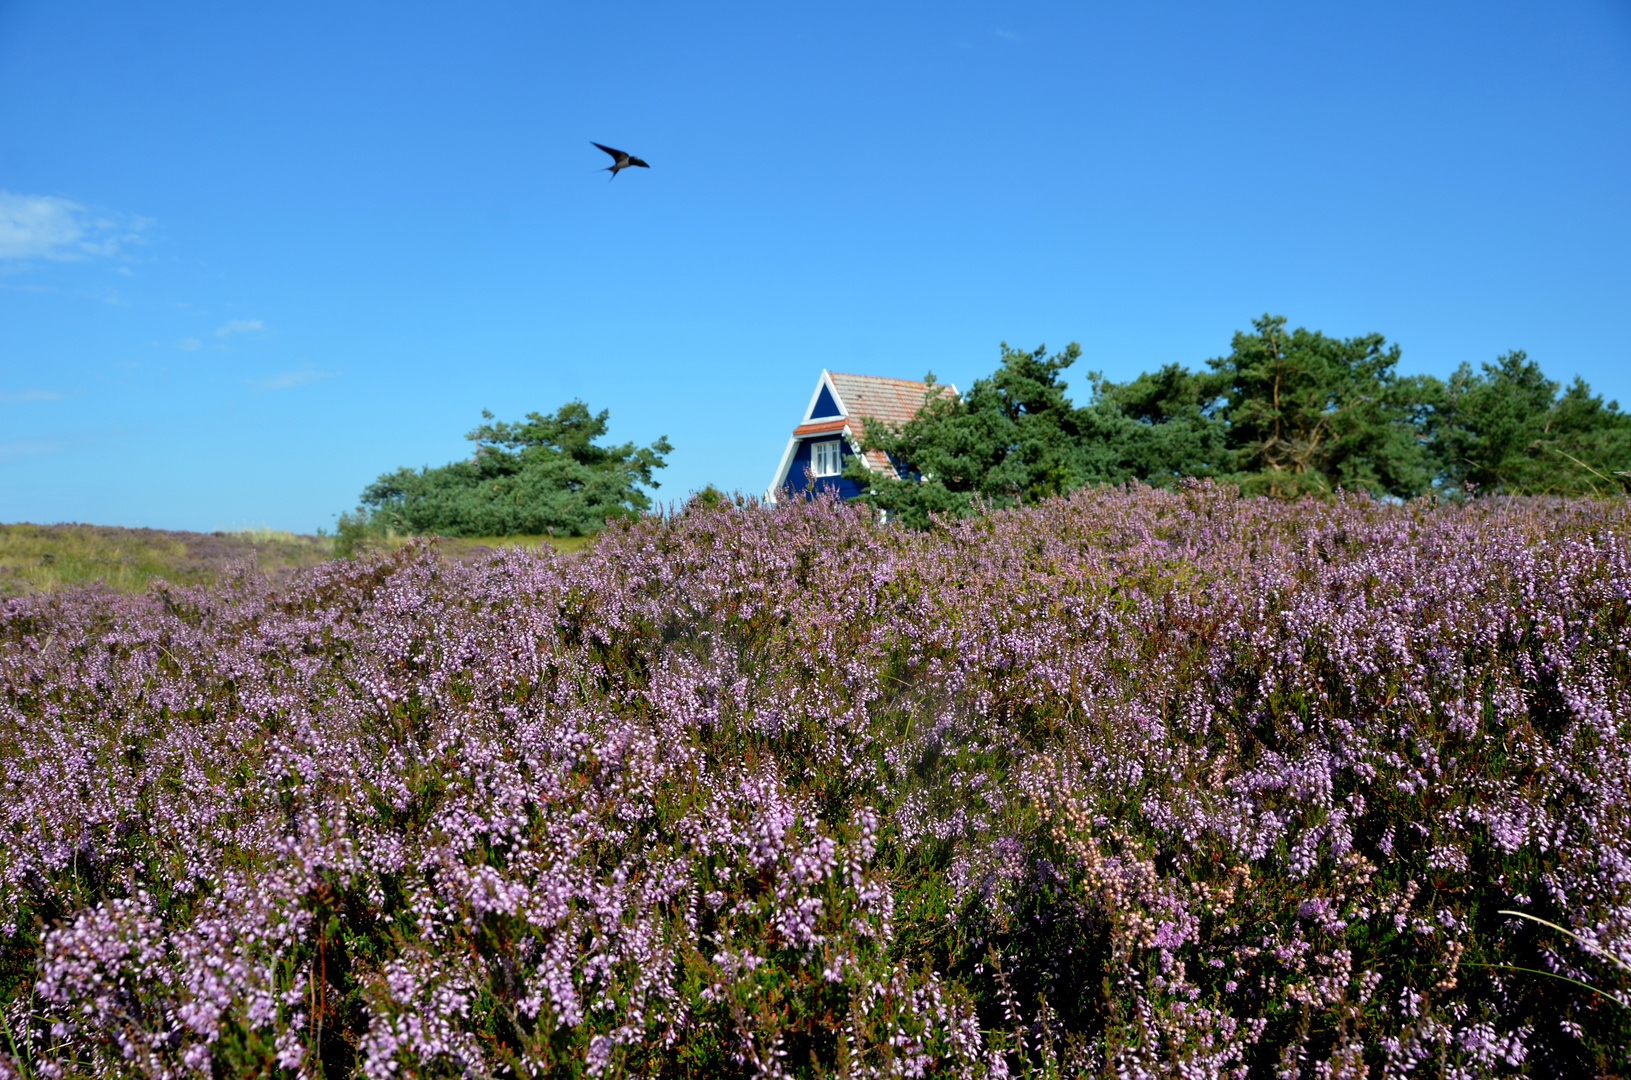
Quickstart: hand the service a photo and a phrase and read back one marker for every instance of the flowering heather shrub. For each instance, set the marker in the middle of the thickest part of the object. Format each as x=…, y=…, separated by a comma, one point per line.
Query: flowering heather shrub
x=1134, y=783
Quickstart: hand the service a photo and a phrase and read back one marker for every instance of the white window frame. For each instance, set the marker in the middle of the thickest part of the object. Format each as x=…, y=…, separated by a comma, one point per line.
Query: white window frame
x=826, y=459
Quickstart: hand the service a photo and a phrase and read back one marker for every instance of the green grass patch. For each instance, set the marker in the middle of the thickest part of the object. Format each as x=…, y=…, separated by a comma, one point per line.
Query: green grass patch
x=45, y=558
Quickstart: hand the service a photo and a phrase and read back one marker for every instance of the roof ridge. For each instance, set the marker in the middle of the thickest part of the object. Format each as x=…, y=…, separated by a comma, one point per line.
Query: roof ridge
x=884, y=378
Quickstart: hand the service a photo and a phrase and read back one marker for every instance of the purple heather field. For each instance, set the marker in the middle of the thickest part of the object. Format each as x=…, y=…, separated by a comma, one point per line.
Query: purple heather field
x=1133, y=783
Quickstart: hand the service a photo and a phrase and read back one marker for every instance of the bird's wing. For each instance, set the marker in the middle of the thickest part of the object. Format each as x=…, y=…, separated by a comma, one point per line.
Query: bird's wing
x=616, y=154
x=637, y=161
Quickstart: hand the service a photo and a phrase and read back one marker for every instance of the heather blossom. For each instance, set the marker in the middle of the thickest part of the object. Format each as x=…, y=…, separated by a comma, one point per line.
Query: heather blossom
x=1136, y=782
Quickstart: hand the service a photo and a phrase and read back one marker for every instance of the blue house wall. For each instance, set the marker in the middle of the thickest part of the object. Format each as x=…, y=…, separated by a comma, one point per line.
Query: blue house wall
x=794, y=480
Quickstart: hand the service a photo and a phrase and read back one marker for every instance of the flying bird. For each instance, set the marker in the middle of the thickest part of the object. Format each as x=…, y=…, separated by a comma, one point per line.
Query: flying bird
x=620, y=160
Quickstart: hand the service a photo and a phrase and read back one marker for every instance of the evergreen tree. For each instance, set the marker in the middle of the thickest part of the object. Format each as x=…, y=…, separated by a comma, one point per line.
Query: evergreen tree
x=1286, y=413
x=1016, y=438
x=1008, y=440
x=543, y=474
x=1508, y=430
x=1308, y=413
x=1170, y=426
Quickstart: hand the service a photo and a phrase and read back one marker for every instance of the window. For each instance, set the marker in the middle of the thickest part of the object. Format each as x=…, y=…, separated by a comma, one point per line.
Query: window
x=824, y=459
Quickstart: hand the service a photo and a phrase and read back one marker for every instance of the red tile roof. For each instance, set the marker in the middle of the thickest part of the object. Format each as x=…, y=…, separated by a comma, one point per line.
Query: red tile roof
x=873, y=397
x=818, y=427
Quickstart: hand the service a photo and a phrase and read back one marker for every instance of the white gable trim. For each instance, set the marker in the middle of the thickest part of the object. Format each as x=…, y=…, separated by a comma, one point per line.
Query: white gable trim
x=825, y=380
x=855, y=445
x=781, y=470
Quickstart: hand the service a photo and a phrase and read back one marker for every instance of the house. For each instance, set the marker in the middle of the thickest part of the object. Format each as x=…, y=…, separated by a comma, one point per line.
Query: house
x=834, y=430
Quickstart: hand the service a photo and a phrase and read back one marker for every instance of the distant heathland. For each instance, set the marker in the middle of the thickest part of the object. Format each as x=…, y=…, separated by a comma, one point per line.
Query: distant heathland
x=43, y=558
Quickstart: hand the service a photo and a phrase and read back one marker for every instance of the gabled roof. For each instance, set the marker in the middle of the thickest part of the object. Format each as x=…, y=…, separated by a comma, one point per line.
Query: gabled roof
x=873, y=397
x=859, y=398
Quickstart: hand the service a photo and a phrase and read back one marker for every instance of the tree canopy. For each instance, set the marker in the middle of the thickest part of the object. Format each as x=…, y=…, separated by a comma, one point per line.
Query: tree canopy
x=1016, y=438
x=1013, y=437
x=1285, y=413
x=1507, y=429
x=1310, y=413
x=543, y=474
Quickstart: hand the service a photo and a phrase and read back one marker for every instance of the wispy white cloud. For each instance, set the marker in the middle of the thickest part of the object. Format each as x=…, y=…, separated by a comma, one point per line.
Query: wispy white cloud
x=288, y=380
x=38, y=225
x=1007, y=35
x=189, y=344
x=33, y=394
x=20, y=448
x=240, y=326
x=52, y=227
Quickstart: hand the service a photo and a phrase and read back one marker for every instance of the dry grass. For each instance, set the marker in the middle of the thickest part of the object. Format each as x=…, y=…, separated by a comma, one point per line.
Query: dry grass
x=466, y=547
x=43, y=558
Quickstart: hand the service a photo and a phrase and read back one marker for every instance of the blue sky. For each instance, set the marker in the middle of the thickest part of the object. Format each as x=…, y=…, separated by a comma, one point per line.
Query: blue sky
x=251, y=257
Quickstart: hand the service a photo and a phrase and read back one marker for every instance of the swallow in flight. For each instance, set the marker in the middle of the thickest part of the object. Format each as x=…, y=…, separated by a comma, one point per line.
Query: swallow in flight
x=620, y=160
